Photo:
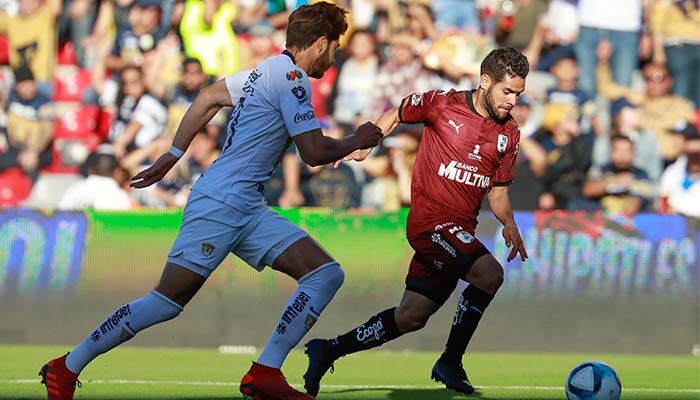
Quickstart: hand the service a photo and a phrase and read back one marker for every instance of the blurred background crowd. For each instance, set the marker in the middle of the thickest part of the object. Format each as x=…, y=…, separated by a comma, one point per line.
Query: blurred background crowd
x=92, y=92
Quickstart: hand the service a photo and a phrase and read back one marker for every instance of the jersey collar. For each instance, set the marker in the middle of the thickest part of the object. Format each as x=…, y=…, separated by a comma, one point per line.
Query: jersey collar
x=470, y=102
x=291, y=57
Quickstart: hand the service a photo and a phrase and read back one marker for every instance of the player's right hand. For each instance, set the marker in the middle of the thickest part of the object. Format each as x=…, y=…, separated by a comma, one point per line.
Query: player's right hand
x=369, y=135
x=357, y=155
x=155, y=172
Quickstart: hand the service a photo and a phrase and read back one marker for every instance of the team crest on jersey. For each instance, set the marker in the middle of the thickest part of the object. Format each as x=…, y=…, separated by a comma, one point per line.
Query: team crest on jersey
x=465, y=237
x=417, y=99
x=294, y=75
x=502, y=142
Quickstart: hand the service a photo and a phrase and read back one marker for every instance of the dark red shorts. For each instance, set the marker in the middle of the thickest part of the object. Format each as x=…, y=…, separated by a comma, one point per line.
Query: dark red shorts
x=442, y=257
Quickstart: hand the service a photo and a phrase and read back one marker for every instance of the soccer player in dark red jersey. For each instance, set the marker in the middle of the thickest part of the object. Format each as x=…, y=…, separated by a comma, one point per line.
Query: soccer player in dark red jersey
x=468, y=151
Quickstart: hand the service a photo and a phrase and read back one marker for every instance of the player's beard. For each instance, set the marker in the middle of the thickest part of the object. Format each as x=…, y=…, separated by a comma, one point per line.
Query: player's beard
x=321, y=64
x=491, y=108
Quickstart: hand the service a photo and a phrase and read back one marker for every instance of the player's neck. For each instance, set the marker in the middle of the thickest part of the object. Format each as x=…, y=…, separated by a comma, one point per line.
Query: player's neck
x=478, y=106
x=302, y=58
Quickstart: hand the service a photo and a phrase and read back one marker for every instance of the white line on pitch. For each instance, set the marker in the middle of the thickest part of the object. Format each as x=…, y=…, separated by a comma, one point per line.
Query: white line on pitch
x=368, y=387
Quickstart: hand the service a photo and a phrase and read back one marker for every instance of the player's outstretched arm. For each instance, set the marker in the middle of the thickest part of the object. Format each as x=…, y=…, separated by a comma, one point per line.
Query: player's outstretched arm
x=317, y=149
x=501, y=208
x=387, y=122
x=207, y=103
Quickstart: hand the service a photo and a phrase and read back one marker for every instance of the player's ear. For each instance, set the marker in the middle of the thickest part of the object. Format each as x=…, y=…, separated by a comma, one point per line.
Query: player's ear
x=322, y=44
x=484, y=81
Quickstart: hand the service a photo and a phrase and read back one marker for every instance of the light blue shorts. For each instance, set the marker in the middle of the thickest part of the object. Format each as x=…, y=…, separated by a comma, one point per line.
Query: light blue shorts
x=212, y=229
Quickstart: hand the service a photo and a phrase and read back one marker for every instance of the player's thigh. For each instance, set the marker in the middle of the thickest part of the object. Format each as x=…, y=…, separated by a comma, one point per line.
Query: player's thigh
x=209, y=231
x=442, y=258
x=302, y=257
x=276, y=242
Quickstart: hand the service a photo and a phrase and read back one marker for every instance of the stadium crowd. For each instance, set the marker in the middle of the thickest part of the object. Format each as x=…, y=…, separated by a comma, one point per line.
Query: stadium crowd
x=92, y=92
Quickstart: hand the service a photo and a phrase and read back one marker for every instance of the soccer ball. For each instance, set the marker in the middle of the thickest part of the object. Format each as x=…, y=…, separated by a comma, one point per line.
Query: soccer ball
x=593, y=380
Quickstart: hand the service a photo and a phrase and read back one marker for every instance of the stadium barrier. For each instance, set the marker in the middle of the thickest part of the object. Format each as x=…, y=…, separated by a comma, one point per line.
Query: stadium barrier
x=593, y=283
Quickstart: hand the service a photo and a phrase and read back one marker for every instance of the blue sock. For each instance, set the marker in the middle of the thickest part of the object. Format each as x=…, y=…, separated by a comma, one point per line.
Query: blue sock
x=315, y=291
x=121, y=326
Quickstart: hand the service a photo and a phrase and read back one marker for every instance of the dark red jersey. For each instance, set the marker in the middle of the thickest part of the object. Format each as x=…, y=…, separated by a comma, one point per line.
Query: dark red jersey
x=461, y=156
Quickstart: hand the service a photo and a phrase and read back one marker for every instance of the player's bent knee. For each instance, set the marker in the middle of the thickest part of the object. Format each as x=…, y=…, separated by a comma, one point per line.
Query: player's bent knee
x=408, y=321
x=336, y=276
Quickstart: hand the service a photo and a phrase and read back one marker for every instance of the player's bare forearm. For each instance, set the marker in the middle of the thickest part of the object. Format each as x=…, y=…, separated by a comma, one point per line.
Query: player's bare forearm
x=207, y=103
x=501, y=208
x=388, y=121
x=500, y=205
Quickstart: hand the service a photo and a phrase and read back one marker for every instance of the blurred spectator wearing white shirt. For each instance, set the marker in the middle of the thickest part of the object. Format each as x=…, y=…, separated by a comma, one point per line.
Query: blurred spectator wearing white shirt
x=680, y=182
x=99, y=191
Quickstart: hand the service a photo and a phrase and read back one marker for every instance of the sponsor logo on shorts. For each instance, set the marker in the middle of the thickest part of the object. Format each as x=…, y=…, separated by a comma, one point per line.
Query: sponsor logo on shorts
x=437, y=239
x=207, y=249
x=465, y=237
x=437, y=264
x=307, y=116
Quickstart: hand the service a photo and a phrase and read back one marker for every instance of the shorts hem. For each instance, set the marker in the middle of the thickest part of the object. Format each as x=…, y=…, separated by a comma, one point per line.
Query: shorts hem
x=192, y=266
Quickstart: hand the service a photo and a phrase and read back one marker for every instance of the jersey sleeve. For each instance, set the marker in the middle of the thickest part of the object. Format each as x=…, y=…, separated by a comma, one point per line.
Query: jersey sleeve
x=234, y=84
x=506, y=168
x=418, y=107
x=295, y=103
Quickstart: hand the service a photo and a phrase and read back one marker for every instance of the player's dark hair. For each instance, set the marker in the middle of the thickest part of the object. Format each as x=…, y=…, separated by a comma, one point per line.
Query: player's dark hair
x=309, y=22
x=505, y=61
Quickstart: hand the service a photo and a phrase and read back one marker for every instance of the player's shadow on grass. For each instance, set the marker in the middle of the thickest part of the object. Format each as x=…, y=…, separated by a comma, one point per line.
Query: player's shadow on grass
x=424, y=394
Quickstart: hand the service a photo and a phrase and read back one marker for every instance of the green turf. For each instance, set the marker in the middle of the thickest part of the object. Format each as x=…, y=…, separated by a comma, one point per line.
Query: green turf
x=160, y=373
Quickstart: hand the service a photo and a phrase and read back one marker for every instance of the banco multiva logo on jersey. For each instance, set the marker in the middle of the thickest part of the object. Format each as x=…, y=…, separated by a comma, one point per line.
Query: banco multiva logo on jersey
x=464, y=173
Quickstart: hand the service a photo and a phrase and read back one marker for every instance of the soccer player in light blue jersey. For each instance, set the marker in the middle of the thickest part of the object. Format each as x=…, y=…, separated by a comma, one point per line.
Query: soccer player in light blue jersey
x=226, y=211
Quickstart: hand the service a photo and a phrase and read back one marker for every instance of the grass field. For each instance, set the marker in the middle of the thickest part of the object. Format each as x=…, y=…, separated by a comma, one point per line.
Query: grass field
x=164, y=373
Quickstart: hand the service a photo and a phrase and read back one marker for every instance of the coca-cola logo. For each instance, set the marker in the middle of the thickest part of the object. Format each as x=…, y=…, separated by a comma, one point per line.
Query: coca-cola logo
x=307, y=116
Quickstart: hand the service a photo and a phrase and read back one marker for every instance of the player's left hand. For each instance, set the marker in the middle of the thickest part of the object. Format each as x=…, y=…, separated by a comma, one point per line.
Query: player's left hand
x=515, y=242
x=155, y=172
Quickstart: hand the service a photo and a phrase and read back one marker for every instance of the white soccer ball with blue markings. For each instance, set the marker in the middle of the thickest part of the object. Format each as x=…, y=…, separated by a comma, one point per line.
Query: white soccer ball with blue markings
x=593, y=380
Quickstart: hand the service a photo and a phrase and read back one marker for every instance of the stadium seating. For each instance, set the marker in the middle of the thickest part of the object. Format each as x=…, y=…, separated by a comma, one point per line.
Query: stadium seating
x=15, y=186
x=70, y=83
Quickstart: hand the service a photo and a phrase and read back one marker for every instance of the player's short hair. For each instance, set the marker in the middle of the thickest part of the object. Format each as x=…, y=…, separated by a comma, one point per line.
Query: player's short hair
x=309, y=22
x=505, y=61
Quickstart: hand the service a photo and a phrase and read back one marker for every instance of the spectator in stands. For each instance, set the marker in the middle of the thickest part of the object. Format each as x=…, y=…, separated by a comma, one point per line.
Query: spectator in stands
x=99, y=190
x=531, y=162
x=259, y=46
x=566, y=71
x=621, y=22
x=618, y=186
x=30, y=124
x=660, y=109
x=456, y=15
x=143, y=35
x=207, y=34
x=555, y=33
x=357, y=78
x=32, y=39
x=676, y=31
x=75, y=25
x=112, y=18
x=140, y=117
x=568, y=157
x=328, y=186
x=179, y=97
x=400, y=74
x=680, y=182
x=626, y=120
x=518, y=21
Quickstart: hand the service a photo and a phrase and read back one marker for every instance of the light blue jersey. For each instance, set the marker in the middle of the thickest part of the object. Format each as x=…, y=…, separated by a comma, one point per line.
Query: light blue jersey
x=272, y=105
